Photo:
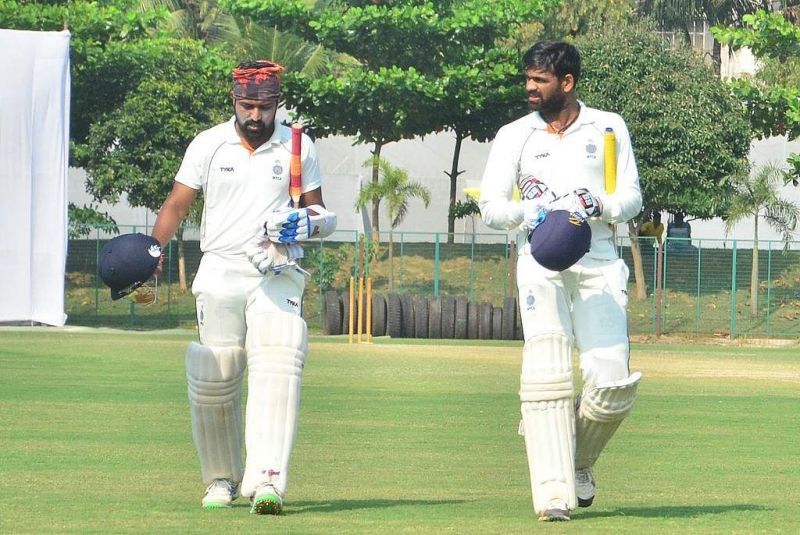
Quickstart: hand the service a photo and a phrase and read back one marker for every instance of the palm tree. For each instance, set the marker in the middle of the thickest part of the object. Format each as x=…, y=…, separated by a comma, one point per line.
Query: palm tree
x=397, y=190
x=758, y=196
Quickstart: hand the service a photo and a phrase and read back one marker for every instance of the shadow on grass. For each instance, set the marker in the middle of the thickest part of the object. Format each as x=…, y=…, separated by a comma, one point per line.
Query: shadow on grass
x=671, y=511
x=333, y=506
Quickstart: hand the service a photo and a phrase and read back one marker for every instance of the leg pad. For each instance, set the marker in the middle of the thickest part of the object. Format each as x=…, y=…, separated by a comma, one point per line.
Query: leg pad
x=600, y=411
x=215, y=375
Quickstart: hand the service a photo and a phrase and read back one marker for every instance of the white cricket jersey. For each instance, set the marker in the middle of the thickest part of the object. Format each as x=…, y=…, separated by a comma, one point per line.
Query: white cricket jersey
x=241, y=189
x=572, y=160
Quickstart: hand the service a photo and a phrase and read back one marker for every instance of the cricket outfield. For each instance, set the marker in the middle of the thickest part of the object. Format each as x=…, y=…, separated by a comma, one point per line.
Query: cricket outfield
x=395, y=437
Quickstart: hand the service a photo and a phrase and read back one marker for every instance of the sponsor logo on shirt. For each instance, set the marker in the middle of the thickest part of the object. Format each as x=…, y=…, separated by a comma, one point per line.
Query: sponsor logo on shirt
x=541, y=155
x=226, y=169
x=591, y=151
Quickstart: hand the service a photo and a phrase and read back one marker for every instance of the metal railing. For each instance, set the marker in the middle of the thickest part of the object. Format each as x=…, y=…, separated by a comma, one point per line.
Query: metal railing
x=704, y=287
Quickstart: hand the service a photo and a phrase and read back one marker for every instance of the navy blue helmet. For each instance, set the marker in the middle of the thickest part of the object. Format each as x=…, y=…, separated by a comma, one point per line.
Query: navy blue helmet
x=560, y=240
x=127, y=262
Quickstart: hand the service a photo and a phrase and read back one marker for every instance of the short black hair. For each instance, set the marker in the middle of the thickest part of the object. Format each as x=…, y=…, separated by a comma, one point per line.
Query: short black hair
x=557, y=56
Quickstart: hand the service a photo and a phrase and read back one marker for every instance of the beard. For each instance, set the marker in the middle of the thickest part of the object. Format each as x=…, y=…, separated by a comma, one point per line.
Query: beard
x=252, y=130
x=550, y=105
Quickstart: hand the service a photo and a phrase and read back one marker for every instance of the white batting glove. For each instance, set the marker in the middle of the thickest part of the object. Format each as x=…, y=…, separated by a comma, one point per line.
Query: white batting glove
x=580, y=202
x=268, y=257
x=536, y=199
x=291, y=226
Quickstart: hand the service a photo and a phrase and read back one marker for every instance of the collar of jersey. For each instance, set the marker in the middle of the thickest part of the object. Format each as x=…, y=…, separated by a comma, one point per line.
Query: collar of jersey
x=586, y=116
x=280, y=136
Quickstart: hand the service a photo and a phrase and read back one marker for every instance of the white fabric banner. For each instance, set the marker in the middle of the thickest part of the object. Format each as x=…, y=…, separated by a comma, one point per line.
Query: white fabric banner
x=34, y=144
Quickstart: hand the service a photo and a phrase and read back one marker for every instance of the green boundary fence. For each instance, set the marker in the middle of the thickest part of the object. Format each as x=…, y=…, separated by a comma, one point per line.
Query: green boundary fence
x=704, y=287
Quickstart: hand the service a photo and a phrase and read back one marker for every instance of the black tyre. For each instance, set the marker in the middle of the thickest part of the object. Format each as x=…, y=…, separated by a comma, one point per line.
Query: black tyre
x=460, y=331
x=394, y=316
x=420, y=317
x=509, y=318
x=344, y=299
x=497, y=323
x=332, y=314
x=435, y=318
x=485, y=321
x=448, y=317
x=378, y=315
x=472, y=321
x=407, y=306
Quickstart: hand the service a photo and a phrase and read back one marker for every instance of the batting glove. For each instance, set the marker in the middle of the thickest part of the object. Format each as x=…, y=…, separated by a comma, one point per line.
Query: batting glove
x=536, y=199
x=580, y=202
x=269, y=257
x=291, y=226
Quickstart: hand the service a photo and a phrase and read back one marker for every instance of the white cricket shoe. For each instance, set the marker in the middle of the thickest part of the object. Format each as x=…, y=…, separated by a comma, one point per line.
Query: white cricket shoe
x=220, y=494
x=584, y=486
x=267, y=501
x=556, y=511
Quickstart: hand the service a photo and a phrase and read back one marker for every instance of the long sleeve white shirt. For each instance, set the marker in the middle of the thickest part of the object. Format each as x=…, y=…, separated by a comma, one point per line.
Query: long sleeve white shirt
x=565, y=162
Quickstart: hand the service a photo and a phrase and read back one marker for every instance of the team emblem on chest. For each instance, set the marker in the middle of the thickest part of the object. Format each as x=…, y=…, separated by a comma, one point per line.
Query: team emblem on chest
x=591, y=151
x=277, y=171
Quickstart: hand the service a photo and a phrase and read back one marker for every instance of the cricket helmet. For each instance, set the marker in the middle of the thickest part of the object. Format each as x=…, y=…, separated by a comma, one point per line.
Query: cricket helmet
x=127, y=262
x=560, y=240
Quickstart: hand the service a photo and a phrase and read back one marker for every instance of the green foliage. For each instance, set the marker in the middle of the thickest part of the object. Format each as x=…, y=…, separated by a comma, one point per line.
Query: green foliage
x=688, y=133
x=83, y=220
x=94, y=26
x=323, y=265
x=177, y=89
x=772, y=100
x=576, y=17
x=373, y=106
x=766, y=34
x=395, y=188
x=465, y=208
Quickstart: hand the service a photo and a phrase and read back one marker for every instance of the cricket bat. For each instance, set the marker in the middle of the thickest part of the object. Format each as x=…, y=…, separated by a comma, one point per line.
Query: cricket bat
x=296, y=166
x=610, y=160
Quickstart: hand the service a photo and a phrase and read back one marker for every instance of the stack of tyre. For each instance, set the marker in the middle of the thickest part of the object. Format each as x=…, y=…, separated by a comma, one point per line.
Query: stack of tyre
x=406, y=316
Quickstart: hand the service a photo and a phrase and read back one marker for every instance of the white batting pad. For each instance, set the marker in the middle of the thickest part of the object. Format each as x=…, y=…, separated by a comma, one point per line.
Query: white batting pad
x=277, y=344
x=215, y=380
x=602, y=409
x=548, y=419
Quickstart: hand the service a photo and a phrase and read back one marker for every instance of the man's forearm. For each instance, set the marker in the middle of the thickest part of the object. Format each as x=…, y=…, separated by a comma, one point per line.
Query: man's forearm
x=167, y=223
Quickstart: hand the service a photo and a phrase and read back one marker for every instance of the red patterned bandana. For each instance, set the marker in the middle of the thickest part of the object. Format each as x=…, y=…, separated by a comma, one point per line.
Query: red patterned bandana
x=257, y=81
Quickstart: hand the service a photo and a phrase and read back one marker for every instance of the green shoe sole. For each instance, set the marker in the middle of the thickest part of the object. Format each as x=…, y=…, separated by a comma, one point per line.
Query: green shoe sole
x=213, y=505
x=267, y=505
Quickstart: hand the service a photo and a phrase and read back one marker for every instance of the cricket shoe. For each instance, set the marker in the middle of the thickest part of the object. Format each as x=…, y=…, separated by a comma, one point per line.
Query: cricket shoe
x=267, y=501
x=556, y=511
x=220, y=494
x=584, y=486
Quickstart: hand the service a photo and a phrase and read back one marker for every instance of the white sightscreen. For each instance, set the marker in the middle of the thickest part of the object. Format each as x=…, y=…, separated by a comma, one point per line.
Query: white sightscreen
x=34, y=143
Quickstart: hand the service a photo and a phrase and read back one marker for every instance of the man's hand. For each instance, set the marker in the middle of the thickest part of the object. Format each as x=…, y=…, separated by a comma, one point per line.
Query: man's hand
x=536, y=199
x=291, y=226
x=269, y=257
x=580, y=202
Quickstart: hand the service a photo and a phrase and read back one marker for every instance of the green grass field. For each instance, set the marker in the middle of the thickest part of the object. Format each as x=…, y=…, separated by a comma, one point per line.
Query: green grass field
x=394, y=438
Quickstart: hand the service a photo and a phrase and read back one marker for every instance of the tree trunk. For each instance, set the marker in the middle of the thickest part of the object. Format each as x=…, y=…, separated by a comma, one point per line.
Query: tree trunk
x=636, y=254
x=716, y=56
x=181, y=261
x=376, y=227
x=453, y=174
x=754, y=272
x=391, y=261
